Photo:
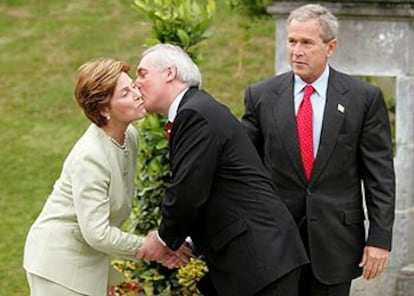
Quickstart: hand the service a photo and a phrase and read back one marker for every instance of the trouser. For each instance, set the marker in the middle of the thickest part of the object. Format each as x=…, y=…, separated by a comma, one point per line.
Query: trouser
x=286, y=285
x=309, y=285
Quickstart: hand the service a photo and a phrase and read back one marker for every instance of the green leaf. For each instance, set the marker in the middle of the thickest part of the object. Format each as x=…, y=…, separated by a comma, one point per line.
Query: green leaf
x=184, y=38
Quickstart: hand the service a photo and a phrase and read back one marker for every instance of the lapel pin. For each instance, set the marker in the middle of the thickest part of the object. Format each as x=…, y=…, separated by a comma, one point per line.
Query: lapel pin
x=341, y=108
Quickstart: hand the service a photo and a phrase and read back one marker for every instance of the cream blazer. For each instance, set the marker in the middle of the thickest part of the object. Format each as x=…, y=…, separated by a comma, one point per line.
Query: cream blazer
x=71, y=241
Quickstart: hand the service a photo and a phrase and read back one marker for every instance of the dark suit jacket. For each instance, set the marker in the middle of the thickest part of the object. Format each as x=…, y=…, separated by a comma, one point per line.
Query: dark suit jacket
x=222, y=196
x=355, y=146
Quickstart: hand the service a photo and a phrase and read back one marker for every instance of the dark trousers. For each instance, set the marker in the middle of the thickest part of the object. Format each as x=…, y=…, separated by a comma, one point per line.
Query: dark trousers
x=309, y=285
x=286, y=285
x=205, y=286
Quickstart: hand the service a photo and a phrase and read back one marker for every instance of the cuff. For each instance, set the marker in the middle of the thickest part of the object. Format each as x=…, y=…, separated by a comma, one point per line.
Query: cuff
x=160, y=239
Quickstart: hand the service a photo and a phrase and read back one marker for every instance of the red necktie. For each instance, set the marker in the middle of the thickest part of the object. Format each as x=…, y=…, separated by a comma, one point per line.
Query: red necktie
x=167, y=129
x=305, y=131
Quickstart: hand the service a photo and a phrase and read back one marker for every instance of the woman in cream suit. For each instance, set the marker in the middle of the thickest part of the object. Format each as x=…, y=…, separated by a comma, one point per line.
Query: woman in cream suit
x=68, y=246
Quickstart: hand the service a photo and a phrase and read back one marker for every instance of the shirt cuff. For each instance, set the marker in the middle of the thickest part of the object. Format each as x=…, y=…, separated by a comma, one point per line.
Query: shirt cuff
x=160, y=239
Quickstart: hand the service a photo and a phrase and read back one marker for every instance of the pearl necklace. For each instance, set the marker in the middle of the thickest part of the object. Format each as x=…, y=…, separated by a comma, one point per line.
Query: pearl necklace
x=123, y=147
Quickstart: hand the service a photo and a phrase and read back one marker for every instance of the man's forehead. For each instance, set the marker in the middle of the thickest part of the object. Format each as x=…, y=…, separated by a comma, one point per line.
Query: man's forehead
x=144, y=65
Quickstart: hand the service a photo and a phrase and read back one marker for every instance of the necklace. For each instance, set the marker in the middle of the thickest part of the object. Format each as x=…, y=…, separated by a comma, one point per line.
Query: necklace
x=123, y=147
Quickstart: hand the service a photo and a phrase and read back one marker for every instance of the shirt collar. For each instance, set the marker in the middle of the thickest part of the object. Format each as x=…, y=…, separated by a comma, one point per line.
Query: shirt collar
x=172, y=111
x=320, y=85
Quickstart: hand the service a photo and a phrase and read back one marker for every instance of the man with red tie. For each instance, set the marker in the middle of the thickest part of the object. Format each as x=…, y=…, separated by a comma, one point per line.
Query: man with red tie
x=220, y=194
x=325, y=138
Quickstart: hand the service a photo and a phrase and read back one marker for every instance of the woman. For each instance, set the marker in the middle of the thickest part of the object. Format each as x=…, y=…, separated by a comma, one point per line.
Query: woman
x=68, y=246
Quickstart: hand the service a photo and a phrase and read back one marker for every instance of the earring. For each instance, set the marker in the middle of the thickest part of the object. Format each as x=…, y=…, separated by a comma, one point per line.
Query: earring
x=108, y=117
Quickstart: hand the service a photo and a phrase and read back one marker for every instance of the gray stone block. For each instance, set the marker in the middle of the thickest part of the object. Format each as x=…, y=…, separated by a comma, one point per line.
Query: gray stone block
x=405, y=281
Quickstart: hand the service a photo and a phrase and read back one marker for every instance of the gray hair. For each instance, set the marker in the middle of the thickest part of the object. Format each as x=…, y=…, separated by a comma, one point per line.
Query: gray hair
x=167, y=55
x=328, y=22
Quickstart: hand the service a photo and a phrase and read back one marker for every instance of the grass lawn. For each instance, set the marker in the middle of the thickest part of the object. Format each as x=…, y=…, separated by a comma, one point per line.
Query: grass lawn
x=42, y=43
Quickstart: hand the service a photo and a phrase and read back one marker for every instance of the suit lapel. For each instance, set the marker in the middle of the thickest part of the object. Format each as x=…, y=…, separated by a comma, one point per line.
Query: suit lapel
x=335, y=110
x=284, y=114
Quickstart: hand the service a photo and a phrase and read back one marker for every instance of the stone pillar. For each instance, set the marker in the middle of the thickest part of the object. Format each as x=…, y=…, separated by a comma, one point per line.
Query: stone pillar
x=376, y=38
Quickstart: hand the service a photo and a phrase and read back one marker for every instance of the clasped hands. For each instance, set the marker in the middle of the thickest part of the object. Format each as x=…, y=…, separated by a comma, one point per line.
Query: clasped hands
x=153, y=249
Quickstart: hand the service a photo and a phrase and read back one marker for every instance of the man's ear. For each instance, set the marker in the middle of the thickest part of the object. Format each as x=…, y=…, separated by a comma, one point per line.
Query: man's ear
x=171, y=73
x=331, y=47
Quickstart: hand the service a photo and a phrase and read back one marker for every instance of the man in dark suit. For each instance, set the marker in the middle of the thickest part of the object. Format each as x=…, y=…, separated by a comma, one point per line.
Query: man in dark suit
x=350, y=156
x=220, y=194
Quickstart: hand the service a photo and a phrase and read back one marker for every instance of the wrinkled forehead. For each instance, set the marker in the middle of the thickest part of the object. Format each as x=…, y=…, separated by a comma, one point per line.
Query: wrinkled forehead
x=147, y=64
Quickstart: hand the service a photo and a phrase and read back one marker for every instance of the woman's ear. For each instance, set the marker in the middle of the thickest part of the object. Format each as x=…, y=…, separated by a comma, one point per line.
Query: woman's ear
x=105, y=113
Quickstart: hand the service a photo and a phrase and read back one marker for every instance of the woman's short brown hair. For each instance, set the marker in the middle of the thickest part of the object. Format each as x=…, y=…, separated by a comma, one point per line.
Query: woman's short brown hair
x=94, y=86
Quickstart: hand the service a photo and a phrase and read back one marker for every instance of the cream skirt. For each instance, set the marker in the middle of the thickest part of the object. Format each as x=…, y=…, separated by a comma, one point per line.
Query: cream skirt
x=40, y=286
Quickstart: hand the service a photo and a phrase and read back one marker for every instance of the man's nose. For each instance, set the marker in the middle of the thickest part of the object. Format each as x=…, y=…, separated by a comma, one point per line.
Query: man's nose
x=297, y=49
x=138, y=93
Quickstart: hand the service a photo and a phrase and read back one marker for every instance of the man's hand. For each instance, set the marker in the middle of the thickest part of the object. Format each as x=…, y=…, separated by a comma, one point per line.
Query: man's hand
x=374, y=260
x=184, y=252
x=154, y=250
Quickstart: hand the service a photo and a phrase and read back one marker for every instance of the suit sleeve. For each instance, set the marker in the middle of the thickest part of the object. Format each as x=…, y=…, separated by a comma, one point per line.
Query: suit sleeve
x=193, y=156
x=250, y=120
x=378, y=172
